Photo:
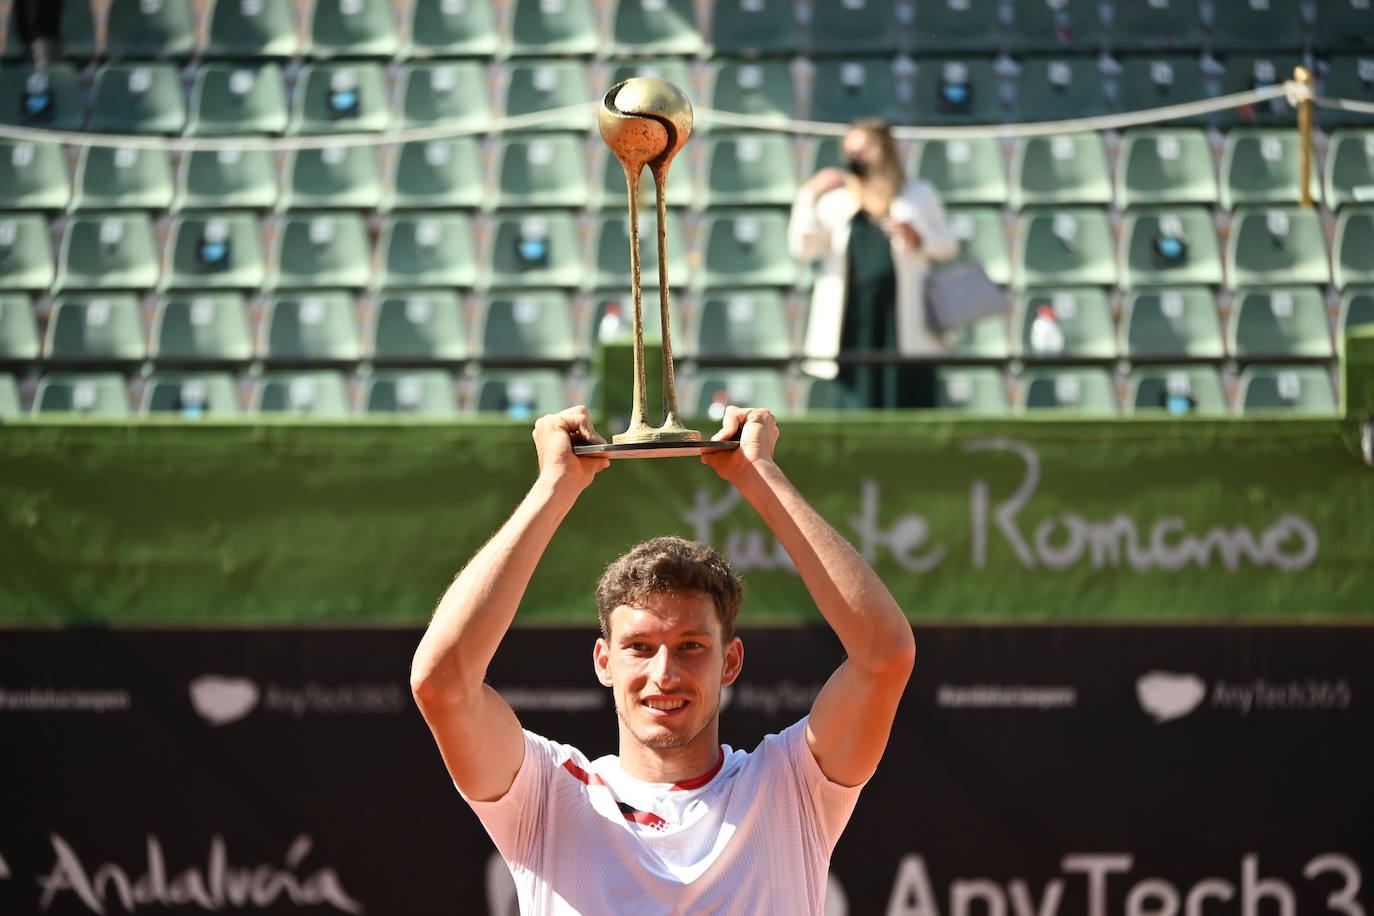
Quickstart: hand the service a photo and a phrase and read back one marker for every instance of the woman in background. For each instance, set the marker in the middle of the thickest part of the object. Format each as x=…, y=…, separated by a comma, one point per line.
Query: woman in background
x=875, y=234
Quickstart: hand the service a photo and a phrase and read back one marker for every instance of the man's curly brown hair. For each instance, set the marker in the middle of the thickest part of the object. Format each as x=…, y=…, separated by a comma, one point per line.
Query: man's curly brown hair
x=672, y=565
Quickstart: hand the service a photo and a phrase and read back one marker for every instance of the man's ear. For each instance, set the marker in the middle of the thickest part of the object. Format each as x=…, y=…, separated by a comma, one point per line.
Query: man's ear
x=734, y=662
x=601, y=661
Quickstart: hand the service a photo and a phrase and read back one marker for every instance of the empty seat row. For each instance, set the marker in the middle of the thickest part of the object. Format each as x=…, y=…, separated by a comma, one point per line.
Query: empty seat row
x=523, y=394
x=370, y=28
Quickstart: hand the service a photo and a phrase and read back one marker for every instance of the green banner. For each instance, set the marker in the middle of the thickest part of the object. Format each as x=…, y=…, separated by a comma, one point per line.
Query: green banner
x=966, y=520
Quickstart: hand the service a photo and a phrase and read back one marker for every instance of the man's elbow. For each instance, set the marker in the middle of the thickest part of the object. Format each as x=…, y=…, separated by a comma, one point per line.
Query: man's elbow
x=895, y=656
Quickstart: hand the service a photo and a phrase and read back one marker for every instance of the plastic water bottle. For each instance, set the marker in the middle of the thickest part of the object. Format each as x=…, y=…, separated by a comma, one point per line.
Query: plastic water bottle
x=1046, y=337
x=612, y=325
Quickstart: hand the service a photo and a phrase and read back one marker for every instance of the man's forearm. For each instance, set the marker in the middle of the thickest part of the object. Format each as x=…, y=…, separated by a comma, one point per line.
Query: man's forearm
x=847, y=591
x=478, y=607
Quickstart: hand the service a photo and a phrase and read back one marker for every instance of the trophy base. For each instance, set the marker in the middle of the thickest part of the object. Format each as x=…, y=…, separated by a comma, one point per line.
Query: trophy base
x=653, y=449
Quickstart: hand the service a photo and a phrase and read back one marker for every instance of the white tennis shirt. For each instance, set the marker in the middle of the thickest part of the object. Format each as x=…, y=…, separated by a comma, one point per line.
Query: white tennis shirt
x=751, y=838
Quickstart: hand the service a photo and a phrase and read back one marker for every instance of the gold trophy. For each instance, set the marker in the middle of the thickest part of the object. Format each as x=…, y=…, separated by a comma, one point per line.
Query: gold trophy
x=646, y=121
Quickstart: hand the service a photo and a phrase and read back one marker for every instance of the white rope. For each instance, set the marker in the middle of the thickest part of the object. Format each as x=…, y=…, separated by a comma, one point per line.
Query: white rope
x=1292, y=90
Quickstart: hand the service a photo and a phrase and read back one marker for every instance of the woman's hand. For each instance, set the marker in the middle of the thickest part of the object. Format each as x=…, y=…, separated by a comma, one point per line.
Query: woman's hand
x=904, y=234
x=826, y=180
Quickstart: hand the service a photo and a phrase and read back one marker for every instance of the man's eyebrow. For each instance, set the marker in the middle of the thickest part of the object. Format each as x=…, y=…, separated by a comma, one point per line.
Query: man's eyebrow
x=640, y=634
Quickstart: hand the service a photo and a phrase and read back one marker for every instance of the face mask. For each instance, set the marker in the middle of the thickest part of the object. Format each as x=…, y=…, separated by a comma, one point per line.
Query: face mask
x=857, y=167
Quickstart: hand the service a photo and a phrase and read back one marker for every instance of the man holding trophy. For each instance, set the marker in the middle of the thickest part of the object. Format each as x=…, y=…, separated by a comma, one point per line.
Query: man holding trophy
x=676, y=823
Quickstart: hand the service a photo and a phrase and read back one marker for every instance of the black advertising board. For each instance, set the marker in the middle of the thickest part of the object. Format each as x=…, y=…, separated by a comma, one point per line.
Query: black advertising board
x=1033, y=771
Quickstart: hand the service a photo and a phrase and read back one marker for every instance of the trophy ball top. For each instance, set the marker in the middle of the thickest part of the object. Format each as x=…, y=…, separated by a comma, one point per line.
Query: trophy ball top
x=645, y=120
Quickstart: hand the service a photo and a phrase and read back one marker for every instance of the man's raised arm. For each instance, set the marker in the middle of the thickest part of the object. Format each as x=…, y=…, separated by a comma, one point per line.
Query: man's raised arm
x=477, y=732
x=852, y=717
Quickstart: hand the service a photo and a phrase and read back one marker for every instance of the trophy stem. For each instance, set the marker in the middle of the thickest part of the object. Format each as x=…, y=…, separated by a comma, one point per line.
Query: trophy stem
x=641, y=407
x=671, y=420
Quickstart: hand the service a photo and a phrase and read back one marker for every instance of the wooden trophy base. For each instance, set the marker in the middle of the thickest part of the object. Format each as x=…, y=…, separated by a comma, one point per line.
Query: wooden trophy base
x=653, y=449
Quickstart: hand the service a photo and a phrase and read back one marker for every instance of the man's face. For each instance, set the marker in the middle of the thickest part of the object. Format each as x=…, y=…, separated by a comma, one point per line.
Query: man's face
x=666, y=661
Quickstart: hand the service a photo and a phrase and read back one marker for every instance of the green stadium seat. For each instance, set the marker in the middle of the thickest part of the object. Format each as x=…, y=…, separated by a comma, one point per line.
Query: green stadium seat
x=95, y=327
x=321, y=250
x=448, y=93
x=753, y=26
x=341, y=97
x=1257, y=25
x=622, y=300
x=137, y=98
x=1170, y=323
x=230, y=99
x=971, y=389
x=149, y=29
x=215, y=250
x=825, y=152
x=847, y=88
x=526, y=325
x=1165, y=166
x=333, y=177
x=1343, y=24
x=191, y=395
x=745, y=324
x=674, y=70
x=242, y=179
x=352, y=28
x=1353, y=258
x=453, y=28
x=310, y=326
x=1357, y=310
x=1059, y=170
x=18, y=333
x=414, y=392
x=1261, y=166
x=103, y=395
x=953, y=26
x=557, y=27
x=1087, y=390
x=319, y=394
x=986, y=339
x=1276, y=246
x=868, y=27
x=715, y=389
x=521, y=394
x=122, y=178
x=823, y=394
x=1285, y=322
x=76, y=26
x=428, y=249
x=437, y=173
x=1066, y=247
x=746, y=248
x=968, y=171
x=961, y=91
x=33, y=176
x=1348, y=76
x=1157, y=25
x=612, y=192
x=9, y=397
x=611, y=243
x=533, y=249
x=761, y=89
x=982, y=238
x=1349, y=168
x=251, y=29
x=1055, y=25
x=533, y=86
x=1177, y=390
x=541, y=170
x=1084, y=316
x=654, y=27
x=1157, y=82
x=201, y=327
x=1245, y=72
x=108, y=251
x=53, y=100
x=745, y=168
x=1296, y=389
x=26, y=260
x=418, y=325
x=1170, y=246
x=1057, y=88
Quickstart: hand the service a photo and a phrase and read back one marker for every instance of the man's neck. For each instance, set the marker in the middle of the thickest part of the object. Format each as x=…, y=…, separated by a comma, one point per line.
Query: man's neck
x=672, y=765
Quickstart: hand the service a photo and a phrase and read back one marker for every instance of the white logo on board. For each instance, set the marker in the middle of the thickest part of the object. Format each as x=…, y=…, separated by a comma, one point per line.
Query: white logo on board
x=1165, y=695
x=220, y=700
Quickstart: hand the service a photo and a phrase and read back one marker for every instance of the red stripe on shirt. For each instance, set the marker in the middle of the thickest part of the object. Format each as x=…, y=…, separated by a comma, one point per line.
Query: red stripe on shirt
x=700, y=780
x=590, y=779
